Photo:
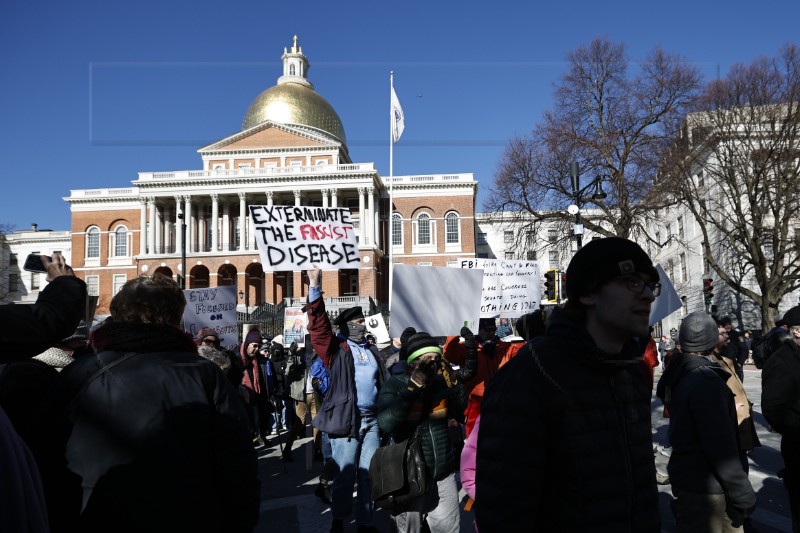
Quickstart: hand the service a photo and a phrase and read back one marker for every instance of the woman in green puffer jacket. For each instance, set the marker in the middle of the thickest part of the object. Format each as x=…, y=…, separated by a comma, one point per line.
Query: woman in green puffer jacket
x=425, y=390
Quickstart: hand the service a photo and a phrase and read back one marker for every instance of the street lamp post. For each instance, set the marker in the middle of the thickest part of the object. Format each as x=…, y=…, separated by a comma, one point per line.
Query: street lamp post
x=183, y=250
x=577, y=194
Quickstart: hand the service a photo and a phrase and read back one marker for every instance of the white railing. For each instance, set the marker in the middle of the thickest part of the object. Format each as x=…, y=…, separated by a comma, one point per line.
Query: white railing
x=88, y=193
x=248, y=172
x=429, y=178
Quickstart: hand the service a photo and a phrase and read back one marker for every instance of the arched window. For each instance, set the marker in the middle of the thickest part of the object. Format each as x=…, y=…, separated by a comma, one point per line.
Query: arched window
x=424, y=228
x=292, y=70
x=121, y=242
x=397, y=229
x=93, y=243
x=451, y=227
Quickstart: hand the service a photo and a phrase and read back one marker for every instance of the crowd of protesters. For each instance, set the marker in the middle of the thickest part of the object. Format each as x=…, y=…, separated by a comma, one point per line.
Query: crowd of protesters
x=135, y=425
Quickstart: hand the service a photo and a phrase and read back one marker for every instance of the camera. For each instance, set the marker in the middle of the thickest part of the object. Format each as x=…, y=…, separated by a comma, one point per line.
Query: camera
x=33, y=263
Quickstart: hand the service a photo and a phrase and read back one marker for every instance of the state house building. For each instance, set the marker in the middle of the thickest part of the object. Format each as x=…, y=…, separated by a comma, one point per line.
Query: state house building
x=292, y=150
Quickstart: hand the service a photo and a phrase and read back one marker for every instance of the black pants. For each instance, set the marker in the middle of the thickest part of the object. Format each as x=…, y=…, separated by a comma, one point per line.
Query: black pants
x=791, y=478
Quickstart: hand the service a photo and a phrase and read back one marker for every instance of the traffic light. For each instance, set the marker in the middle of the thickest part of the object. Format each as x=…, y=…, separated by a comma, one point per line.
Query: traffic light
x=708, y=290
x=550, y=292
x=562, y=290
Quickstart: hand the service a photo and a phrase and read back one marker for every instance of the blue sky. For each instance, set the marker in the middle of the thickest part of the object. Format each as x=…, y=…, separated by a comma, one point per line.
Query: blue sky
x=95, y=91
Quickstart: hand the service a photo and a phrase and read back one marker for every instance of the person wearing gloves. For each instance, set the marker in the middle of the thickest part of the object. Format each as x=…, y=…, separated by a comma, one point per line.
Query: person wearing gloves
x=708, y=479
x=349, y=412
x=429, y=393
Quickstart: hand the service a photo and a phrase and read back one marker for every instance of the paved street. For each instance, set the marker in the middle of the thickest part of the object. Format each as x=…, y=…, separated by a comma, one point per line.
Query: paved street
x=289, y=504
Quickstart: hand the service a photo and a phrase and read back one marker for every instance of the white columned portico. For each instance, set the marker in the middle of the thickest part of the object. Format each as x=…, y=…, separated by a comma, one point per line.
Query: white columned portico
x=242, y=218
x=370, y=218
x=143, y=228
x=334, y=197
x=226, y=227
x=361, y=217
x=324, y=197
x=189, y=219
x=151, y=234
x=178, y=222
x=214, y=222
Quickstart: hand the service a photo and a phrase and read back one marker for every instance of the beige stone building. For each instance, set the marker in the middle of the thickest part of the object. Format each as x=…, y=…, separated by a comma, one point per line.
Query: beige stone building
x=292, y=150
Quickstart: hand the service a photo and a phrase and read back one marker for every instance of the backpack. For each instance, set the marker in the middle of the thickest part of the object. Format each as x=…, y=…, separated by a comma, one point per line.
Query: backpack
x=759, y=349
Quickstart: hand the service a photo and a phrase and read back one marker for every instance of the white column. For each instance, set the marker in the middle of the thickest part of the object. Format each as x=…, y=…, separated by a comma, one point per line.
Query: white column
x=187, y=214
x=226, y=227
x=370, y=218
x=201, y=228
x=334, y=198
x=269, y=197
x=324, y=197
x=214, y=222
x=361, y=218
x=297, y=197
x=143, y=228
x=178, y=222
x=167, y=237
x=242, y=218
x=159, y=231
x=151, y=241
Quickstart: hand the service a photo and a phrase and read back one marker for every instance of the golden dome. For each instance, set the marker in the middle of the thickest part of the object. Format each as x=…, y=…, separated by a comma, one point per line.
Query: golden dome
x=292, y=103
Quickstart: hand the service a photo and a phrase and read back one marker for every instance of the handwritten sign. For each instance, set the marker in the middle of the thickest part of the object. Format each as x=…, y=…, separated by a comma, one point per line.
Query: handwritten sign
x=511, y=288
x=295, y=237
x=212, y=308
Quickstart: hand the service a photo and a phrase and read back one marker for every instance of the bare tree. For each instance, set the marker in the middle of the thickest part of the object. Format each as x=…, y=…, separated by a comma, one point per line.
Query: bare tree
x=616, y=121
x=737, y=165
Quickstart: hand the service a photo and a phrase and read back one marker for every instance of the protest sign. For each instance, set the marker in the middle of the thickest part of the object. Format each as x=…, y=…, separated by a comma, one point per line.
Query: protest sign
x=212, y=308
x=511, y=288
x=667, y=302
x=295, y=324
x=438, y=300
x=294, y=237
x=377, y=326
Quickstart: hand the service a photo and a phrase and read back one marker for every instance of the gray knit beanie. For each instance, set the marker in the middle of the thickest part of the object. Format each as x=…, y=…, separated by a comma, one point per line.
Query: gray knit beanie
x=698, y=333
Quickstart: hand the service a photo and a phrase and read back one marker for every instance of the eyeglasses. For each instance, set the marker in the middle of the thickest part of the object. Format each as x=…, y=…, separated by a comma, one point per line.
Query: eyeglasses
x=637, y=285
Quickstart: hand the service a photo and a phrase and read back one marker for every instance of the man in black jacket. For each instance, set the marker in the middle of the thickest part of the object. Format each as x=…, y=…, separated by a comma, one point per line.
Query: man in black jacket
x=706, y=469
x=780, y=400
x=565, y=441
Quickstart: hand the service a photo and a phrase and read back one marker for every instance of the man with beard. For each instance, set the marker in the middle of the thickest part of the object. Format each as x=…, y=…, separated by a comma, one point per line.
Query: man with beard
x=565, y=442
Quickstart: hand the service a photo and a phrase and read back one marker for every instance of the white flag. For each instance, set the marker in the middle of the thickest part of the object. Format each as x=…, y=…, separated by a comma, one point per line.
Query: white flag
x=398, y=120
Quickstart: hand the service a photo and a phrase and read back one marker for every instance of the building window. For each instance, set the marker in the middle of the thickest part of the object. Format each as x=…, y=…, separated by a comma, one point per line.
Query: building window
x=530, y=255
x=684, y=274
x=119, y=281
x=93, y=285
x=12, y=260
x=508, y=237
x=424, y=229
x=451, y=226
x=552, y=256
x=93, y=243
x=397, y=229
x=481, y=238
x=509, y=255
x=424, y=263
x=680, y=227
x=34, y=281
x=482, y=255
x=292, y=70
x=13, y=282
x=552, y=236
x=121, y=242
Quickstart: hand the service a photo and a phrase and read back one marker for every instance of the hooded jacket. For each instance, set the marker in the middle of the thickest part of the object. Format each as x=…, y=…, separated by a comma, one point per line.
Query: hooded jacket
x=703, y=432
x=565, y=441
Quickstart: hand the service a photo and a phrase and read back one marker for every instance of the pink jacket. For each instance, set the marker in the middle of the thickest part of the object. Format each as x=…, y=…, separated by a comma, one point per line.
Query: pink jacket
x=468, y=457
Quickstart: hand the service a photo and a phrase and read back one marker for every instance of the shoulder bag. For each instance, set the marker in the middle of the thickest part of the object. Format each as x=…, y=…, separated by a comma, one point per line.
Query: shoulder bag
x=398, y=473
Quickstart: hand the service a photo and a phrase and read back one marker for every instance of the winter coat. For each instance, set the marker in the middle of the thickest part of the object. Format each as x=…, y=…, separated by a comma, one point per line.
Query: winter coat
x=780, y=390
x=251, y=379
x=339, y=414
x=703, y=432
x=159, y=442
x=748, y=438
x=565, y=439
x=401, y=409
x=29, y=330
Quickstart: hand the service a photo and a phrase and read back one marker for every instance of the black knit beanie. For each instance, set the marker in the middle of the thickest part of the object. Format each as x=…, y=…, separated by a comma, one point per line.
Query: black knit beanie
x=792, y=316
x=422, y=343
x=601, y=260
x=407, y=333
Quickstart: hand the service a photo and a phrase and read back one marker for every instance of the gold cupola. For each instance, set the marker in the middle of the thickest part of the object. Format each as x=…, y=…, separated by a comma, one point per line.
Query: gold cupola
x=294, y=101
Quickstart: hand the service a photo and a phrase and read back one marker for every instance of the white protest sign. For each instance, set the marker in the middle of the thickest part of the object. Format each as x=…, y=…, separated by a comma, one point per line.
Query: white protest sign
x=438, y=300
x=212, y=308
x=667, y=302
x=511, y=288
x=294, y=237
x=377, y=326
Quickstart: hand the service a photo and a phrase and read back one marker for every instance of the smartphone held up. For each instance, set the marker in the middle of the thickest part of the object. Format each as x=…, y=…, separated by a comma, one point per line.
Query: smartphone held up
x=34, y=263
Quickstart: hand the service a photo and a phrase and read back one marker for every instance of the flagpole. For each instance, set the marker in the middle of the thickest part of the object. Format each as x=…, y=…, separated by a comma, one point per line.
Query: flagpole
x=391, y=186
